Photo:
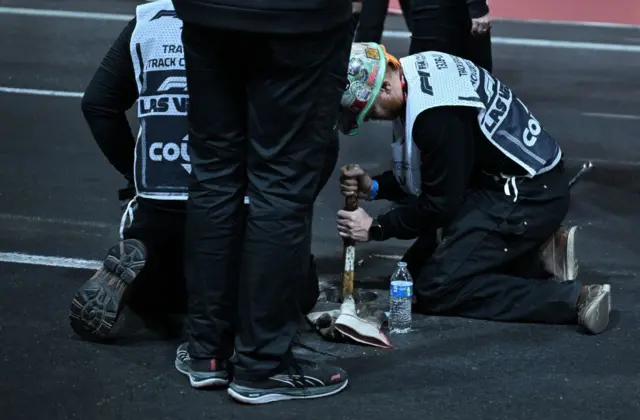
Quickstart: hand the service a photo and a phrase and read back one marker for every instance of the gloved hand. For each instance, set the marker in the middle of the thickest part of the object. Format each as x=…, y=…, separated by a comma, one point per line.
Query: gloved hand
x=355, y=181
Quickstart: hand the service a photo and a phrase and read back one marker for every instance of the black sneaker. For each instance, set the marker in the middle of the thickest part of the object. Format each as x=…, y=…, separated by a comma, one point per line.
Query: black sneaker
x=202, y=373
x=302, y=380
x=97, y=304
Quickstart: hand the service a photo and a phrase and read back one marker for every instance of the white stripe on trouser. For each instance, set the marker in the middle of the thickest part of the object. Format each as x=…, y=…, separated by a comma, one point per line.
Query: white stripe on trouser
x=128, y=214
x=509, y=186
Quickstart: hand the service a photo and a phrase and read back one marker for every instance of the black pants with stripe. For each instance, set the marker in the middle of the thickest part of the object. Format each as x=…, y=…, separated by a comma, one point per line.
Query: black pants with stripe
x=487, y=265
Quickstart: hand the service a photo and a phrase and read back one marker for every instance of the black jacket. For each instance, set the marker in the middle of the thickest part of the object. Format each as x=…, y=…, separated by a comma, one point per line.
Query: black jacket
x=265, y=16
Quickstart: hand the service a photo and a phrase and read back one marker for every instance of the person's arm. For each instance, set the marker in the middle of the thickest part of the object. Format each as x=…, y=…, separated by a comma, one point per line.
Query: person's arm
x=445, y=139
x=111, y=92
x=387, y=187
x=477, y=8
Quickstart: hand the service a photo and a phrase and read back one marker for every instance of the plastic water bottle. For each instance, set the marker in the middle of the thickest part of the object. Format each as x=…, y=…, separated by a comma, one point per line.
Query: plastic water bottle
x=400, y=300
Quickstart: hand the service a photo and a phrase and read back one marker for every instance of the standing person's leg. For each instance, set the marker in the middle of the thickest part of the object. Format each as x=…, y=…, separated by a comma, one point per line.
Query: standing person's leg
x=372, y=17
x=466, y=275
x=479, y=51
x=405, y=5
x=310, y=290
x=215, y=65
x=294, y=101
x=439, y=25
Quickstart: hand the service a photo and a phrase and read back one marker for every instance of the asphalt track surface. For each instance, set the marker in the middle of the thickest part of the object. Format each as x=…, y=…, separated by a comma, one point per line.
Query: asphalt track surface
x=57, y=198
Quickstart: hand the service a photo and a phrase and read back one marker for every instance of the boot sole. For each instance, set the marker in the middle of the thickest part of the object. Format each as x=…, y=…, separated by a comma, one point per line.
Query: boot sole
x=201, y=381
x=573, y=265
x=96, y=306
x=243, y=394
x=597, y=312
x=198, y=380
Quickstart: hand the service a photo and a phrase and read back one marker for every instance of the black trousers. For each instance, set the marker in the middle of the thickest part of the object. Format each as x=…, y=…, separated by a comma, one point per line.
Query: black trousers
x=445, y=26
x=372, y=17
x=262, y=112
x=160, y=288
x=487, y=265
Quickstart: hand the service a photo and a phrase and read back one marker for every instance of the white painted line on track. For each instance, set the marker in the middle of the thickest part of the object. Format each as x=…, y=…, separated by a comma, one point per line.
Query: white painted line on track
x=544, y=43
x=69, y=94
x=74, y=14
x=566, y=45
x=71, y=14
x=7, y=217
x=386, y=257
x=41, y=92
x=611, y=116
x=50, y=261
x=522, y=42
x=606, y=25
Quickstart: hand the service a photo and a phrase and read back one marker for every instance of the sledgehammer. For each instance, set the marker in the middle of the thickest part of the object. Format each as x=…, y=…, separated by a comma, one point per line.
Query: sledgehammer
x=363, y=327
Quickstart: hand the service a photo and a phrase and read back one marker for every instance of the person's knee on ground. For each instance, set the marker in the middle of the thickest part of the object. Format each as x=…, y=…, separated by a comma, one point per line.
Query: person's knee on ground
x=159, y=302
x=96, y=306
x=159, y=297
x=439, y=293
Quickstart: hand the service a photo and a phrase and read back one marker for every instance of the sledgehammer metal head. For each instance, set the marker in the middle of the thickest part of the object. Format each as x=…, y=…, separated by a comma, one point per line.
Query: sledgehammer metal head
x=349, y=323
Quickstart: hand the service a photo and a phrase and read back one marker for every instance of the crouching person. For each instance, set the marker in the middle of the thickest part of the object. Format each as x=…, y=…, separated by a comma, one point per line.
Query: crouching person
x=478, y=165
x=145, y=66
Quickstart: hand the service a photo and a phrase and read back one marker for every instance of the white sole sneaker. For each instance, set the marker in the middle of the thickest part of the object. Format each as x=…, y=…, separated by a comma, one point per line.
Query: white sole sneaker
x=571, y=263
x=594, y=316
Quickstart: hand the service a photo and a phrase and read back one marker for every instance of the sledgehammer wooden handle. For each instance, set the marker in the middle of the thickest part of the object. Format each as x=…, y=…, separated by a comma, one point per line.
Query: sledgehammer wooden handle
x=349, y=252
x=351, y=203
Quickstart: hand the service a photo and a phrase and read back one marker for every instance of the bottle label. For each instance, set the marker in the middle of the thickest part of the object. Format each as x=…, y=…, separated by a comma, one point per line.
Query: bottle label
x=402, y=290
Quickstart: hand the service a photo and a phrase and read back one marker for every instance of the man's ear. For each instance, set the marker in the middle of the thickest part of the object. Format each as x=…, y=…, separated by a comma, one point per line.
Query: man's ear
x=386, y=87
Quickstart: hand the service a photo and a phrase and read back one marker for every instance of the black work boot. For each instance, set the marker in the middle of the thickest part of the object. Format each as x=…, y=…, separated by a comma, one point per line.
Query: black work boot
x=594, y=306
x=97, y=304
x=202, y=373
x=559, y=255
x=299, y=380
